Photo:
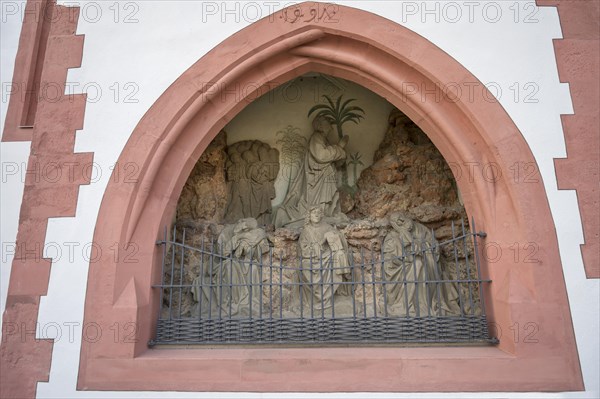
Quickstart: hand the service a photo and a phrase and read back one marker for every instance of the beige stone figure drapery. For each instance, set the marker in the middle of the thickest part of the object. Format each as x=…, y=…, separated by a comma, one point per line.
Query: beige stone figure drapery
x=411, y=256
x=316, y=182
x=324, y=261
x=234, y=272
x=251, y=170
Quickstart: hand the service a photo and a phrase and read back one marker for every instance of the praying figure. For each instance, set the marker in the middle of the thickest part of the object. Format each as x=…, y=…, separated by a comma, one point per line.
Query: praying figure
x=316, y=182
x=411, y=260
x=229, y=284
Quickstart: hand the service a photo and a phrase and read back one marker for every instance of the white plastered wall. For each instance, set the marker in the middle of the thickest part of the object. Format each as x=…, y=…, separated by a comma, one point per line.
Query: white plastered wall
x=134, y=50
x=288, y=105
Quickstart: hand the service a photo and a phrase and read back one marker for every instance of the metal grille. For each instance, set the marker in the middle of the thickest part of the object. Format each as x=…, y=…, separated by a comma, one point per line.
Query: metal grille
x=364, y=313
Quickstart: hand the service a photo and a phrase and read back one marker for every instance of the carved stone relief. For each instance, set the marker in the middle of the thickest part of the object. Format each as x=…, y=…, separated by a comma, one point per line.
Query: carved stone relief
x=228, y=282
x=252, y=167
x=411, y=254
x=316, y=182
x=324, y=261
x=305, y=257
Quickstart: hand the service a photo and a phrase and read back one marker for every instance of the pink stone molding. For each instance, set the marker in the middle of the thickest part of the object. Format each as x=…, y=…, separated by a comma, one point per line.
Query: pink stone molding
x=578, y=59
x=24, y=360
x=466, y=124
x=28, y=67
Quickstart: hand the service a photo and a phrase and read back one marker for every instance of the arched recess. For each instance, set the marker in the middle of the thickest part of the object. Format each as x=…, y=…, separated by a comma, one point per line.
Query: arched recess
x=459, y=115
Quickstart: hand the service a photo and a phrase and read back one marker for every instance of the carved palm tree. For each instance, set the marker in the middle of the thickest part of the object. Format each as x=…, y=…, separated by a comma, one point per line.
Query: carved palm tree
x=355, y=161
x=339, y=113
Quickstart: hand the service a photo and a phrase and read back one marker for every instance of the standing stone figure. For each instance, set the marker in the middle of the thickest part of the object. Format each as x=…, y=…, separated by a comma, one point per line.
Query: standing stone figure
x=316, y=182
x=324, y=261
x=232, y=277
x=411, y=255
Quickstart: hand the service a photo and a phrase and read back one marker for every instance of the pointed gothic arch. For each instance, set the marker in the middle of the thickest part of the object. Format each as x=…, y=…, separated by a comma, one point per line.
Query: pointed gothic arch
x=461, y=118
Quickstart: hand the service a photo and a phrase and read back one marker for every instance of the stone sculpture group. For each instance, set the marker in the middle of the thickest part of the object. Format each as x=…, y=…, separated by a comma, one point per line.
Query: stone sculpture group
x=325, y=275
x=231, y=283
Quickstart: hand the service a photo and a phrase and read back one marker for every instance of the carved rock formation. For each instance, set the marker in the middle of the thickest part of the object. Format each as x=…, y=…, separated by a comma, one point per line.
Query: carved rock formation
x=408, y=174
x=204, y=196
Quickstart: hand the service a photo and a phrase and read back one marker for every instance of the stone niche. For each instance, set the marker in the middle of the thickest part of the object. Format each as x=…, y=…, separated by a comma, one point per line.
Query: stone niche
x=407, y=174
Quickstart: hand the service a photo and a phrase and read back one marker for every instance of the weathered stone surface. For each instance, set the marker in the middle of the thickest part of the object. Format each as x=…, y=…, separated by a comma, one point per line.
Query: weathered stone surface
x=387, y=170
x=346, y=200
x=361, y=229
x=285, y=244
x=286, y=234
x=408, y=174
x=204, y=195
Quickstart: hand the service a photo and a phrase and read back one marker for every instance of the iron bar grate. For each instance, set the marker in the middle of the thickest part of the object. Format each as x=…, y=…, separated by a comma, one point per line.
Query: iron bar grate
x=426, y=293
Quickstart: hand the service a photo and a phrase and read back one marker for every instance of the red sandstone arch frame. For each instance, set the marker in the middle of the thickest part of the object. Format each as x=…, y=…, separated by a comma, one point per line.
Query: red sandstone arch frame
x=463, y=121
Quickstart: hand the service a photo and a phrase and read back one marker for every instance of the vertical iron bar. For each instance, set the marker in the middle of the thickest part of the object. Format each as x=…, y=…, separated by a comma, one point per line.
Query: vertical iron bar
x=230, y=282
x=364, y=289
x=426, y=286
x=280, y=285
x=300, y=285
x=404, y=281
x=464, y=238
x=312, y=288
x=321, y=284
x=383, y=282
x=458, y=284
x=373, y=283
x=271, y=283
x=333, y=289
x=172, y=273
x=201, y=289
x=220, y=282
x=477, y=265
x=353, y=287
x=260, y=284
x=181, y=273
x=162, y=276
x=250, y=283
x=416, y=278
x=438, y=271
x=210, y=276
